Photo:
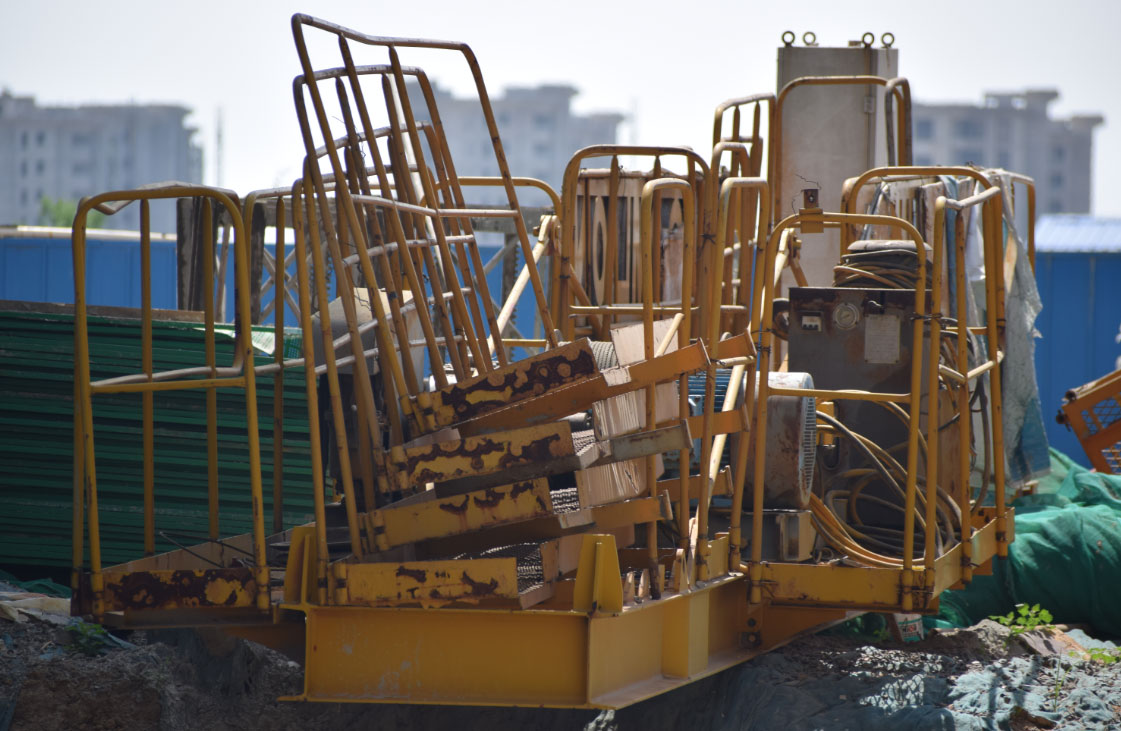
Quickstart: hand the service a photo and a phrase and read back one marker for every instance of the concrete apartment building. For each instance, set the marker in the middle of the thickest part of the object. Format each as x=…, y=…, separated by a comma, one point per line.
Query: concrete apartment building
x=70, y=152
x=539, y=134
x=1014, y=131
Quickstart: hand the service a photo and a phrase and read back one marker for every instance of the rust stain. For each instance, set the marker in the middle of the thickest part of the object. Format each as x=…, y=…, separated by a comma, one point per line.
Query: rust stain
x=454, y=509
x=474, y=455
x=499, y=390
x=492, y=499
x=519, y=487
x=480, y=588
x=539, y=451
x=535, y=451
x=182, y=588
x=418, y=575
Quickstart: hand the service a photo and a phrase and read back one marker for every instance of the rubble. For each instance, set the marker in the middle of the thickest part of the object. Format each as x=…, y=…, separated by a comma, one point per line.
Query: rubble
x=973, y=678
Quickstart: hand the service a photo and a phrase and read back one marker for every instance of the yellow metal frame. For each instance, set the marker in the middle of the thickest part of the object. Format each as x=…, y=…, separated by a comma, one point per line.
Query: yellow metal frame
x=610, y=626
x=910, y=577
x=211, y=376
x=1101, y=442
x=566, y=289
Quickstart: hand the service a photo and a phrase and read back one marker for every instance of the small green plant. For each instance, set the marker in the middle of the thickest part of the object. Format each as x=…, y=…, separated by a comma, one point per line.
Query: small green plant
x=1057, y=689
x=1104, y=655
x=1025, y=618
x=87, y=638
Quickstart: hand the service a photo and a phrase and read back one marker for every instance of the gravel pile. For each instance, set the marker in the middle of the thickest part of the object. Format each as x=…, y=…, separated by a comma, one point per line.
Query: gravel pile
x=975, y=678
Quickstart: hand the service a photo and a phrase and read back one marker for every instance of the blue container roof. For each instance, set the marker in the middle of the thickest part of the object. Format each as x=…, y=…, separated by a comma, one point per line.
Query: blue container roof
x=1066, y=233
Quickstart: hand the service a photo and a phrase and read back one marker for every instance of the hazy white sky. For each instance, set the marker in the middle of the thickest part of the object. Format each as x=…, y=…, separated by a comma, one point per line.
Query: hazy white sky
x=672, y=62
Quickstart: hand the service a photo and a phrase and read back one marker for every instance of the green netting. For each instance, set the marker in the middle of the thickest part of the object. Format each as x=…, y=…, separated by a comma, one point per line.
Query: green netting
x=1066, y=556
x=36, y=439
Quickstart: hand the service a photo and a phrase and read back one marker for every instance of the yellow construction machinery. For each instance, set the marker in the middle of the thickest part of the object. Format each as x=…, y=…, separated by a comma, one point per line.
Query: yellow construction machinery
x=702, y=458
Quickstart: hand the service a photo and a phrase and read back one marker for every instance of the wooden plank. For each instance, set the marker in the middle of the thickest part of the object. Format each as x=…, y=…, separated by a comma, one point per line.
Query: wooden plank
x=256, y=261
x=627, y=412
x=189, y=246
x=610, y=483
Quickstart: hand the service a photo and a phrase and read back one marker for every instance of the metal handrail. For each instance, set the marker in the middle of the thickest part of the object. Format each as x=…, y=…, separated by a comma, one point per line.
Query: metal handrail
x=240, y=374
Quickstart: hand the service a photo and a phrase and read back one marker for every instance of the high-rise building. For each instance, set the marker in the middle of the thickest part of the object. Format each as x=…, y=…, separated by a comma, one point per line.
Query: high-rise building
x=70, y=152
x=538, y=129
x=1015, y=132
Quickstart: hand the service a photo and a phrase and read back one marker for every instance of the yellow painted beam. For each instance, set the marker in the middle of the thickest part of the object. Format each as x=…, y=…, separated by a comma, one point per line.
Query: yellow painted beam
x=458, y=656
x=580, y=395
x=429, y=583
x=528, y=378
x=530, y=449
x=721, y=486
x=398, y=526
x=166, y=589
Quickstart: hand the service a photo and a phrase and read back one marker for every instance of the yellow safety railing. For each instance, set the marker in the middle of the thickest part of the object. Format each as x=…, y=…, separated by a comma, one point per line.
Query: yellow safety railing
x=989, y=200
x=210, y=376
x=998, y=280
x=567, y=290
x=546, y=235
x=278, y=277
x=923, y=324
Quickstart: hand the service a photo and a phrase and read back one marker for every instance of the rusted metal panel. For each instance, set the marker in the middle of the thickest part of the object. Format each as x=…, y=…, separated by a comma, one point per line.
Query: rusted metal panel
x=397, y=526
x=179, y=589
x=516, y=454
x=581, y=395
x=503, y=387
x=431, y=583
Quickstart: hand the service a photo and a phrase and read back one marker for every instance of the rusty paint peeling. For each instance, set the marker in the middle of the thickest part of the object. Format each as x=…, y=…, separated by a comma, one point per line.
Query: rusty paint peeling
x=418, y=575
x=425, y=465
x=480, y=588
x=227, y=587
x=519, y=487
x=450, y=506
x=499, y=389
x=491, y=499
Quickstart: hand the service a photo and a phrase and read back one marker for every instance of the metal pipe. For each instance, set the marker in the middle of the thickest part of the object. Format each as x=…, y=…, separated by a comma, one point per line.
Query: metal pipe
x=211, y=392
x=312, y=394
x=337, y=412
x=147, y=397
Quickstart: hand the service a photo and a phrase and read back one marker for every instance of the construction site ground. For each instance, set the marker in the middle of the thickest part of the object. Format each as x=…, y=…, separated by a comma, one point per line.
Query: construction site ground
x=973, y=678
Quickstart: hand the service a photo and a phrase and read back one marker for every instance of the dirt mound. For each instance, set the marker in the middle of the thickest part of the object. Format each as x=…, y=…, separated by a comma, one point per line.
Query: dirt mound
x=963, y=679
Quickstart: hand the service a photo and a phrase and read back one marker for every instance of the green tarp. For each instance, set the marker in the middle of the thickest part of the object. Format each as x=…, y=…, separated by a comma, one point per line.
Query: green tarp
x=1066, y=555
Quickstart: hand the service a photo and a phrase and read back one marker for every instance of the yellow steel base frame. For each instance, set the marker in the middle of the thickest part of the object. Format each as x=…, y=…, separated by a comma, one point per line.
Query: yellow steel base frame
x=536, y=657
x=602, y=659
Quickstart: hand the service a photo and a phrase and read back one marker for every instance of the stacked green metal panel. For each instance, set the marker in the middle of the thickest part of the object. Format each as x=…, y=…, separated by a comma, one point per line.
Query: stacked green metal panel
x=36, y=440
